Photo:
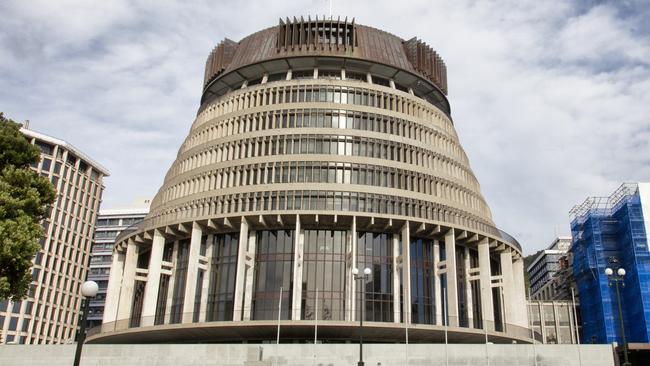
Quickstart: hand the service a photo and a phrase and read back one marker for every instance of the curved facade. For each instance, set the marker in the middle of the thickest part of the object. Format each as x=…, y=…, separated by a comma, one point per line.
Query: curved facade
x=319, y=146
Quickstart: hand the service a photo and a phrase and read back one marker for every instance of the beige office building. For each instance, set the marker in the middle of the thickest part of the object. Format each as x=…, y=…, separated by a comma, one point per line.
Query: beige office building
x=320, y=146
x=110, y=222
x=554, y=322
x=51, y=310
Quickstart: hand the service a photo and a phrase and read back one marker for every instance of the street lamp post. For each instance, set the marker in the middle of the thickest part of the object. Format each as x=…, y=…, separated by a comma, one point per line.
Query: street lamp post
x=364, y=277
x=88, y=290
x=617, y=278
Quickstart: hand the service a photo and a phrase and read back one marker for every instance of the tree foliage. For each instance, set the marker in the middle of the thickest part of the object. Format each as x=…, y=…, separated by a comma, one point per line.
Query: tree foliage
x=24, y=199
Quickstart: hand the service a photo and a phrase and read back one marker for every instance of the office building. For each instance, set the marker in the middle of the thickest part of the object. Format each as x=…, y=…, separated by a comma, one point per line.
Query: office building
x=543, y=269
x=50, y=312
x=611, y=232
x=110, y=223
x=320, y=146
x=554, y=322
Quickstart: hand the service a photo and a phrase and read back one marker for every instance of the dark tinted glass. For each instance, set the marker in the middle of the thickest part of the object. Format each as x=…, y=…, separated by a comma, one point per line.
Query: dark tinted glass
x=324, y=269
x=273, y=274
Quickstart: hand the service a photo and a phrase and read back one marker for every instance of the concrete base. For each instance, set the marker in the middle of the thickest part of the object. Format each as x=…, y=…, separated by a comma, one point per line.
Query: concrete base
x=303, y=354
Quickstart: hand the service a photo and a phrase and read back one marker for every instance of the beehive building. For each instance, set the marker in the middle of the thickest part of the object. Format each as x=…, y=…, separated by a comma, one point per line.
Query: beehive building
x=320, y=145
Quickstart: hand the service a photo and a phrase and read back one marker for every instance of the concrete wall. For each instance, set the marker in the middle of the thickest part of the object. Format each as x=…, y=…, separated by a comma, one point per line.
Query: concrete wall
x=302, y=354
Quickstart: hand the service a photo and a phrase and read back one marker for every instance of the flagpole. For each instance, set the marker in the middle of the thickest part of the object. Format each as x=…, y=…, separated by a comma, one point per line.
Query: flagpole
x=532, y=329
x=446, y=318
x=575, y=321
x=277, y=341
x=406, y=321
x=487, y=355
x=316, y=326
x=575, y=315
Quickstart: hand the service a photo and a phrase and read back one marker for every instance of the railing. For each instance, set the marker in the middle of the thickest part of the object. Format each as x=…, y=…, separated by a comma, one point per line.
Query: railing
x=603, y=205
x=484, y=329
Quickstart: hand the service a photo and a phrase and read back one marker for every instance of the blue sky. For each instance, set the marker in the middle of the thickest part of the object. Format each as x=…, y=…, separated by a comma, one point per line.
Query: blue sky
x=551, y=99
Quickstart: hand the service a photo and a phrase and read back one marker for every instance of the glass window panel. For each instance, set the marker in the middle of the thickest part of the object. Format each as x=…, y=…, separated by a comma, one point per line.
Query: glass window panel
x=222, y=277
x=273, y=274
x=324, y=270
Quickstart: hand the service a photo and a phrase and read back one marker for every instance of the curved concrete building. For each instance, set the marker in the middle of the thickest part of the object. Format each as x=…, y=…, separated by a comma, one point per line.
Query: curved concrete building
x=320, y=146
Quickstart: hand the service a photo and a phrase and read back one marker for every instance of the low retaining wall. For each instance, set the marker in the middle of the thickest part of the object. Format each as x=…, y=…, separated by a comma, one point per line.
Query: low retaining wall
x=303, y=354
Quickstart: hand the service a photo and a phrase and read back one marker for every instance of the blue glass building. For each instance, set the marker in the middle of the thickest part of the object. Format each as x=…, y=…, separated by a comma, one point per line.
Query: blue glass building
x=612, y=232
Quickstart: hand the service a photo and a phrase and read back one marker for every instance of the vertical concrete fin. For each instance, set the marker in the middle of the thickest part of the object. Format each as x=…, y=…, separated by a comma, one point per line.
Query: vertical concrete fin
x=192, y=273
x=153, y=279
x=452, y=278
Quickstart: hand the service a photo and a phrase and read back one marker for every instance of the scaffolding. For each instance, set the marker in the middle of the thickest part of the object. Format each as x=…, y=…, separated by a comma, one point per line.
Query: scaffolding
x=604, y=205
x=610, y=232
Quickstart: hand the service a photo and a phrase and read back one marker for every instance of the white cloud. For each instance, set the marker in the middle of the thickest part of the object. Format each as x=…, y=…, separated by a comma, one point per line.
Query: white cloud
x=599, y=36
x=549, y=98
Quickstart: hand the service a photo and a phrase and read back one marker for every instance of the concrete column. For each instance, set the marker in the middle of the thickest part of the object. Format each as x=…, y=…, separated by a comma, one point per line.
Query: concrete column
x=192, y=273
x=114, y=287
x=487, y=309
x=436, y=282
x=468, y=290
x=153, y=279
x=209, y=247
x=509, y=300
x=520, y=293
x=351, y=305
x=452, y=281
x=241, y=271
x=406, y=272
x=250, y=276
x=396, y=266
x=127, y=279
x=298, y=249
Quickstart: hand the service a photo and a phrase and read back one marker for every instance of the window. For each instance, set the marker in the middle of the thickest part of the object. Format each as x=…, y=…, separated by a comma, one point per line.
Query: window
x=329, y=74
x=180, y=279
x=72, y=160
x=108, y=222
x=302, y=74
x=46, y=148
x=161, y=301
x=13, y=323
x=221, y=291
x=356, y=76
x=422, y=280
x=324, y=270
x=375, y=251
x=380, y=81
x=277, y=77
x=273, y=274
x=46, y=165
x=136, y=308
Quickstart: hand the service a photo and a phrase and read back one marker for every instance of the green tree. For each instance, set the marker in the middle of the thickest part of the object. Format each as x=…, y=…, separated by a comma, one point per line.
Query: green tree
x=24, y=199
